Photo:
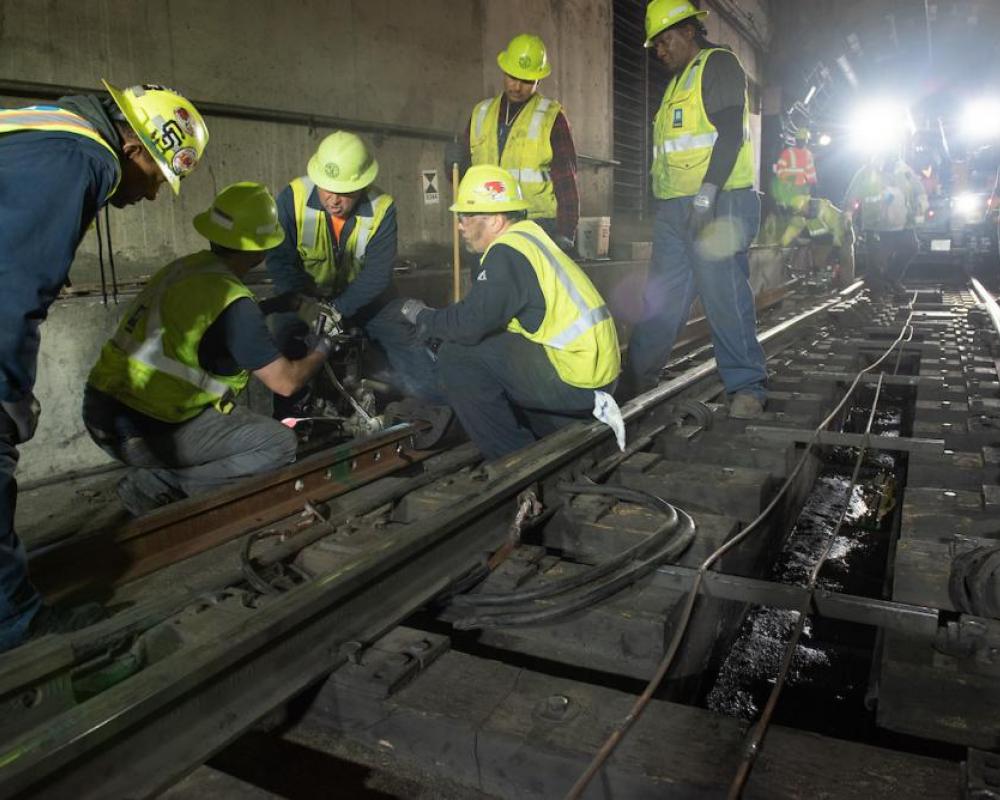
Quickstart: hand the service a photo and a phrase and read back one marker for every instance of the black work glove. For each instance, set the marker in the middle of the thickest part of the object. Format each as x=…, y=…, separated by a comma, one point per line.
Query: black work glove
x=565, y=244
x=702, y=209
x=411, y=309
x=23, y=414
x=455, y=153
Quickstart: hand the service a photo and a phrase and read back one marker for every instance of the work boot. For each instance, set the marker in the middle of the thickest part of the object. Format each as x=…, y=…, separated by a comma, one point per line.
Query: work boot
x=65, y=619
x=141, y=492
x=745, y=405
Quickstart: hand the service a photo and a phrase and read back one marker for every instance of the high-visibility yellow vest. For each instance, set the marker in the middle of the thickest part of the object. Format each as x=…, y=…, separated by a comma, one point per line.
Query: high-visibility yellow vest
x=683, y=137
x=316, y=247
x=151, y=363
x=527, y=154
x=577, y=331
x=53, y=118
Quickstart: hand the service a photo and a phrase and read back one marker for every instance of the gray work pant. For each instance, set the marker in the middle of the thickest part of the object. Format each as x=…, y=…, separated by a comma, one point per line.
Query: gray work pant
x=208, y=452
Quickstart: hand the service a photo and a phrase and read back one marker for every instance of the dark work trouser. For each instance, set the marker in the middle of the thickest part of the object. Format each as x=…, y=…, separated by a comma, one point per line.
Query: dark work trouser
x=19, y=601
x=507, y=394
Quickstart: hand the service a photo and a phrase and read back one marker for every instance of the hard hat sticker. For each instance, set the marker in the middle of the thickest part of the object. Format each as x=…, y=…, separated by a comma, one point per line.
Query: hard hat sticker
x=185, y=120
x=524, y=61
x=171, y=135
x=184, y=161
x=496, y=190
x=331, y=170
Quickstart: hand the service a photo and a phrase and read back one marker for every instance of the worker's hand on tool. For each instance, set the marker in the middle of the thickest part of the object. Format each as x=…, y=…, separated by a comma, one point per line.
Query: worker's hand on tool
x=411, y=309
x=565, y=244
x=319, y=343
x=23, y=414
x=454, y=153
x=702, y=209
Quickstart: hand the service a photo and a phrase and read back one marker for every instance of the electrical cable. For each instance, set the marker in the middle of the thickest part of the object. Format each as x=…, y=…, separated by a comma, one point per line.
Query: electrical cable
x=612, y=741
x=597, y=583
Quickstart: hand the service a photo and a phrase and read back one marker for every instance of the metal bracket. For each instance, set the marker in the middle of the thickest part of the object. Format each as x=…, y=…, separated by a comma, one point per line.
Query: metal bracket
x=391, y=662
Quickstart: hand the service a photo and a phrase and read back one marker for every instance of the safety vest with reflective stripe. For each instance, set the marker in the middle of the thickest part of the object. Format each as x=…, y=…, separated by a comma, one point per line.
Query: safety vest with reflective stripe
x=53, y=118
x=683, y=137
x=151, y=363
x=316, y=246
x=577, y=331
x=527, y=153
x=796, y=165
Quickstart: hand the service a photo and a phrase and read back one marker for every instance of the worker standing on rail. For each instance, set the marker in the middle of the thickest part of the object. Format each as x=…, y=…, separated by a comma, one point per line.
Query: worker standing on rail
x=528, y=135
x=59, y=165
x=890, y=200
x=525, y=351
x=707, y=211
x=161, y=396
x=340, y=246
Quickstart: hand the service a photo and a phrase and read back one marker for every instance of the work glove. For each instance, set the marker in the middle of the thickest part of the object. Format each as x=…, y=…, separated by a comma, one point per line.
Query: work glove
x=24, y=414
x=319, y=343
x=454, y=153
x=702, y=209
x=411, y=309
x=565, y=244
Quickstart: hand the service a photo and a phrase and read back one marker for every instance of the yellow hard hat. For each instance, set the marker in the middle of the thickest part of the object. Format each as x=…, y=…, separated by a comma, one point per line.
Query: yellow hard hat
x=243, y=216
x=525, y=58
x=168, y=126
x=488, y=189
x=342, y=164
x=802, y=134
x=663, y=14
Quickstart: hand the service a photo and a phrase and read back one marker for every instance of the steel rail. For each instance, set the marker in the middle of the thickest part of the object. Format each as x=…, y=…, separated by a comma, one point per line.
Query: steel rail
x=83, y=564
x=127, y=740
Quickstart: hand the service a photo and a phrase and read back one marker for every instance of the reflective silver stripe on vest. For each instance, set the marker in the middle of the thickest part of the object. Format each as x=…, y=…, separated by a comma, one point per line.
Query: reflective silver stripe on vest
x=588, y=317
x=150, y=350
x=690, y=81
x=681, y=144
x=364, y=226
x=484, y=106
x=311, y=218
x=535, y=128
x=530, y=175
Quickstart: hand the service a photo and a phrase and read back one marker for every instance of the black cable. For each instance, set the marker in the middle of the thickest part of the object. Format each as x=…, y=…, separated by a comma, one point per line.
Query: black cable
x=601, y=570
x=594, y=595
x=111, y=254
x=100, y=257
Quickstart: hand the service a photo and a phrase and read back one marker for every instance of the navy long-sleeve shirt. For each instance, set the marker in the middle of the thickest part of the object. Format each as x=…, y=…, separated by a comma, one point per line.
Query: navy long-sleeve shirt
x=285, y=266
x=51, y=186
x=506, y=287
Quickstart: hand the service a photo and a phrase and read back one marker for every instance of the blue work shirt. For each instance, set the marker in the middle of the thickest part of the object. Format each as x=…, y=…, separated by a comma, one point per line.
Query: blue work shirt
x=52, y=185
x=284, y=265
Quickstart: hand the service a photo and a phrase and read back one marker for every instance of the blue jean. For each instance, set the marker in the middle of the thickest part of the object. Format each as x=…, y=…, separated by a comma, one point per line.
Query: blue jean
x=717, y=269
x=19, y=601
x=507, y=394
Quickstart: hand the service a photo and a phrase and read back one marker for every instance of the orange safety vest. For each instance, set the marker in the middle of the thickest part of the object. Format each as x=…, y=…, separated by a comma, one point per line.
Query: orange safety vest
x=796, y=165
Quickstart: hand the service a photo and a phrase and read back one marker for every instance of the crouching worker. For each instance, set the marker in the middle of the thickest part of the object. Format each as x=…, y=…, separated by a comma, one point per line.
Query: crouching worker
x=524, y=352
x=160, y=397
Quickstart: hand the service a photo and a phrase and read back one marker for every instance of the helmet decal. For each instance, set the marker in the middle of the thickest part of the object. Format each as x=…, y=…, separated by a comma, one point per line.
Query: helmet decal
x=184, y=160
x=331, y=170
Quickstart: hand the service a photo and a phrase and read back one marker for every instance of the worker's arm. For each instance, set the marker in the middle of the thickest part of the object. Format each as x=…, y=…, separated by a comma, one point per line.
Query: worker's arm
x=376, y=275
x=506, y=287
x=239, y=340
x=284, y=266
x=724, y=96
x=51, y=186
x=563, y=174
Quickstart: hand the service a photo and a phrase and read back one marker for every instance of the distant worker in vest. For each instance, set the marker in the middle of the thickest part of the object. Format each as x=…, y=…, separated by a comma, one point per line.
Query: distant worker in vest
x=59, y=165
x=161, y=397
x=528, y=135
x=707, y=211
x=340, y=246
x=795, y=165
x=888, y=201
x=524, y=352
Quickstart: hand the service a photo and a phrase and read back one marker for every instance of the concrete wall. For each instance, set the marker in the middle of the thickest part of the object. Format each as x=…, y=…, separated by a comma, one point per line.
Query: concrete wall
x=391, y=61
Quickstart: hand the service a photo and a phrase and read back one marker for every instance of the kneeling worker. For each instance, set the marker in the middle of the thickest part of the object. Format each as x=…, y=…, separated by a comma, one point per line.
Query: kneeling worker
x=160, y=397
x=340, y=245
x=524, y=352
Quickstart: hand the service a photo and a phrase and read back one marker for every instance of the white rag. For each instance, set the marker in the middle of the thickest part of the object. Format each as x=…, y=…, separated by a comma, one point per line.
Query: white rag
x=606, y=410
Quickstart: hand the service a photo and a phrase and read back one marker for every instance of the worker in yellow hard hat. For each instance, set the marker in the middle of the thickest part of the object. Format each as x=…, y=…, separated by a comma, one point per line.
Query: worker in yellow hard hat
x=340, y=245
x=533, y=345
x=528, y=135
x=60, y=163
x=161, y=396
x=707, y=212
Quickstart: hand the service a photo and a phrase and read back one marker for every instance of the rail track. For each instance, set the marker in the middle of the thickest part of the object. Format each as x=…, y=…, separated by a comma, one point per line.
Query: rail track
x=498, y=622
